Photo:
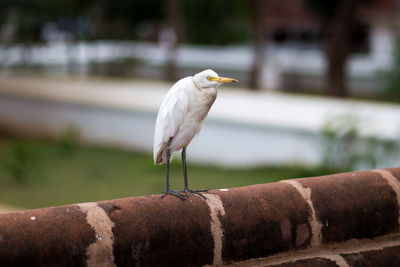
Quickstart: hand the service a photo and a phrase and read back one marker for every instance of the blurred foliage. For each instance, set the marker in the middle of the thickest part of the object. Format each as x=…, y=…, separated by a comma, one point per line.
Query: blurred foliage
x=391, y=78
x=69, y=140
x=203, y=22
x=32, y=15
x=126, y=19
x=346, y=150
x=325, y=9
x=216, y=22
x=22, y=162
x=111, y=19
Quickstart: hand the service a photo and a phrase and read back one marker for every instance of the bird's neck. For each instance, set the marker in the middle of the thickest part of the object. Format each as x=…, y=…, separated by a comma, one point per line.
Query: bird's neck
x=195, y=84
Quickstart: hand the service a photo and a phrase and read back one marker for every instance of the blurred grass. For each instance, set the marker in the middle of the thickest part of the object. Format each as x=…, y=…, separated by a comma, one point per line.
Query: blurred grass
x=81, y=173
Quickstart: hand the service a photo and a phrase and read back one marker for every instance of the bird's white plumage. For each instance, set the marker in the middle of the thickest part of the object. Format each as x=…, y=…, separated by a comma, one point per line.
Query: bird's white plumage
x=182, y=112
x=170, y=117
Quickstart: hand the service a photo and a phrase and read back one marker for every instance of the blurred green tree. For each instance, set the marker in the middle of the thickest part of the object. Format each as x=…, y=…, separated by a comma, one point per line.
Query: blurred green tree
x=126, y=19
x=207, y=22
x=32, y=15
x=111, y=19
x=216, y=22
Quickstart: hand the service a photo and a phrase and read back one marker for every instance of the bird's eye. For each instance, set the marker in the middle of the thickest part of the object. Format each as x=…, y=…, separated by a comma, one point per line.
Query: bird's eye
x=209, y=78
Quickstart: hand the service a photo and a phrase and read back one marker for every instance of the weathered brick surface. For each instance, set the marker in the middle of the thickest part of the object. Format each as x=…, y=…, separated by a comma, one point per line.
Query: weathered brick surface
x=234, y=225
x=262, y=220
x=45, y=237
x=314, y=262
x=150, y=231
x=381, y=257
x=395, y=172
x=353, y=205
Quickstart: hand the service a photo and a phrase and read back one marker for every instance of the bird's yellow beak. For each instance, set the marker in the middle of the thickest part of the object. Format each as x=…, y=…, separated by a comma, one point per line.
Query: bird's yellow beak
x=223, y=80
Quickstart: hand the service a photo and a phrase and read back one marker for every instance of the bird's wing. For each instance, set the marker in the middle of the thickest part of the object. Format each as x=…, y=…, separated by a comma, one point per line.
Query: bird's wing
x=170, y=117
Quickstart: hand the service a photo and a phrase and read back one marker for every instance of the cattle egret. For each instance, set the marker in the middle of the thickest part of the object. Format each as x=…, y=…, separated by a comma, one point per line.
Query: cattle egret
x=179, y=119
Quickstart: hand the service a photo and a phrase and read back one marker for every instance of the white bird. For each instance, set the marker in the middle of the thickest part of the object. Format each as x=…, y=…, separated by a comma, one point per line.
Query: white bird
x=180, y=117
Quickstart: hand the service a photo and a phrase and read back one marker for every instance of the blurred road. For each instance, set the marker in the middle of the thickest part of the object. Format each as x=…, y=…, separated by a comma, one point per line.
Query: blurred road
x=246, y=127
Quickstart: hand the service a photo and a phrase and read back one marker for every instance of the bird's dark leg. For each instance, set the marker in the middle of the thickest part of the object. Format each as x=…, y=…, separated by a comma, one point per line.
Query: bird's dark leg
x=184, y=167
x=167, y=190
x=185, y=179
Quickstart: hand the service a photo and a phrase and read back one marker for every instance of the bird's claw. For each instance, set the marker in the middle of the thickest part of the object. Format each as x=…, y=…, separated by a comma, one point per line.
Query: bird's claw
x=173, y=193
x=197, y=192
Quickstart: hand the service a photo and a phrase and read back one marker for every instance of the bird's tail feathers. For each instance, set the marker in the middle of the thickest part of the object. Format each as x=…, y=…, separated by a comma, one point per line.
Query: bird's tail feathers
x=162, y=157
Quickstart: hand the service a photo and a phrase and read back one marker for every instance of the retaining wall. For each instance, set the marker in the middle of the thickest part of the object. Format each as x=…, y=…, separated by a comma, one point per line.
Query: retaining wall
x=349, y=219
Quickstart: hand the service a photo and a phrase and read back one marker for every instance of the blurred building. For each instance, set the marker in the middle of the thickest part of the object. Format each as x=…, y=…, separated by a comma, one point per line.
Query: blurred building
x=296, y=42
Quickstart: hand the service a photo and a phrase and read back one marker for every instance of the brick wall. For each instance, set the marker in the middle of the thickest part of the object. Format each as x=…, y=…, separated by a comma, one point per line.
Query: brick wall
x=349, y=219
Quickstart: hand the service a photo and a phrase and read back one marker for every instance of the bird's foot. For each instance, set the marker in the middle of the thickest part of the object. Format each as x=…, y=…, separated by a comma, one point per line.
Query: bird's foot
x=173, y=193
x=197, y=192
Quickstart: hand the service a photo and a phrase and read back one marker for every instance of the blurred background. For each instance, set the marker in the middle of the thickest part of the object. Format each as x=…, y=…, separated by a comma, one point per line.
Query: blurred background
x=81, y=83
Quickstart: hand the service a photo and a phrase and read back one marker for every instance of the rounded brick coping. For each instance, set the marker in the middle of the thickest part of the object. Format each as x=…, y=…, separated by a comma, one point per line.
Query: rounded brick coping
x=232, y=225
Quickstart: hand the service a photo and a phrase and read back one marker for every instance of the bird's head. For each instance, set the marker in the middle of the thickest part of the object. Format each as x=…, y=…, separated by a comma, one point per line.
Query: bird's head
x=210, y=79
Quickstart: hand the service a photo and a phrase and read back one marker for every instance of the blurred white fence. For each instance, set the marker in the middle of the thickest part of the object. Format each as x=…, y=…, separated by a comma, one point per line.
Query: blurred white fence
x=280, y=60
